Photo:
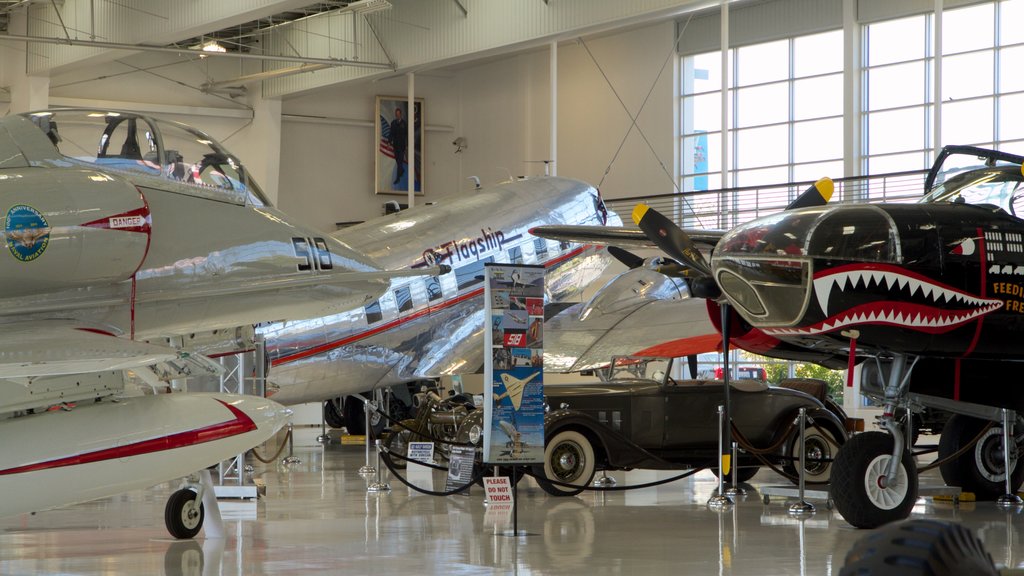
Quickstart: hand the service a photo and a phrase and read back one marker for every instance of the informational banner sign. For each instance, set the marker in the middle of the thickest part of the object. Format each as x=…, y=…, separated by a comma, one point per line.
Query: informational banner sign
x=514, y=364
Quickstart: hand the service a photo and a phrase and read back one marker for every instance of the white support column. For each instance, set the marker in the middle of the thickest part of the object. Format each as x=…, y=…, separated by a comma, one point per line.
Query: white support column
x=937, y=79
x=852, y=93
x=27, y=92
x=553, y=153
x=725, y=93
x=410, y=147
x=263, y=143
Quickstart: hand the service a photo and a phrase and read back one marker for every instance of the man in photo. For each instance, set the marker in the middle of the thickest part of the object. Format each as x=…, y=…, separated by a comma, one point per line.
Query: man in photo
x=398, y=137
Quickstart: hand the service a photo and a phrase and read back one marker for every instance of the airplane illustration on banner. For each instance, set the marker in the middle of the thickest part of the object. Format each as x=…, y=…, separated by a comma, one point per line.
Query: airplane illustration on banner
x=514, y=388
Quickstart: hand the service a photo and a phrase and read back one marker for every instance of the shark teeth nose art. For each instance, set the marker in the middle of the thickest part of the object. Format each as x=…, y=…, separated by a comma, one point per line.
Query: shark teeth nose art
x=936, y=308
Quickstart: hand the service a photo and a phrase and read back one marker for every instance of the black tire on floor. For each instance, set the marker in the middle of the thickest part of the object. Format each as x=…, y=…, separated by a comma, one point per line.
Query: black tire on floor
x=332, y=413
x=183, y=520
x=858, y=466
x=981, y=469
x=184, y=557
x=919, y=548
x=568, y=458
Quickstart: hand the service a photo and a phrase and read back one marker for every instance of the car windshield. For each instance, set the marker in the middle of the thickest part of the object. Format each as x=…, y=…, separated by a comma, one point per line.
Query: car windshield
x=629, y=368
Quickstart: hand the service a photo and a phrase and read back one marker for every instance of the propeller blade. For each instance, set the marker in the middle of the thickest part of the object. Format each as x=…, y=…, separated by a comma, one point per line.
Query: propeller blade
x=670, y=238
x=818, y=194
x=691, y=360
x=626, y=257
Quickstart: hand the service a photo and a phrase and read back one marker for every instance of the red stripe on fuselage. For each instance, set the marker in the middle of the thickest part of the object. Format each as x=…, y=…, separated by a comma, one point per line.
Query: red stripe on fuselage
x=239, y=425
x=404, y=319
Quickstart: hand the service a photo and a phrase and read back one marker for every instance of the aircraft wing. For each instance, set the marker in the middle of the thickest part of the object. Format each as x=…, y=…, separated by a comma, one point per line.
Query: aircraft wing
x=59, y=347
x=660, y=328
x=614, y=236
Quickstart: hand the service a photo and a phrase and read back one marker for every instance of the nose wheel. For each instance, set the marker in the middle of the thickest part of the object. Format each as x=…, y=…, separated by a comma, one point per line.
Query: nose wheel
x=862, y=492
x=184, y=514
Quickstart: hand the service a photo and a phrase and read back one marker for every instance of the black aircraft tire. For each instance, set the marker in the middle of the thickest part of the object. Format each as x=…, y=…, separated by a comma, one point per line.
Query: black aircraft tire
x=332, y=413
x=181, y=519
x=355, y=418
x=568, y=458
x=919, y=547
x=981, y=469
x=855, y=487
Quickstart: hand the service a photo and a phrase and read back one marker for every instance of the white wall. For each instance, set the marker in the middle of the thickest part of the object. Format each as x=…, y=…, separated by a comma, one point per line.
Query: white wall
x=502, y=109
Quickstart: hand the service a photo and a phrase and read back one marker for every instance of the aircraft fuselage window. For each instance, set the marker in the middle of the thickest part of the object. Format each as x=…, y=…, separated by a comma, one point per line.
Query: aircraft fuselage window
x=540, y=246
x=471, y=273
x=434, y=291
x=373, y=313
x=403, y=298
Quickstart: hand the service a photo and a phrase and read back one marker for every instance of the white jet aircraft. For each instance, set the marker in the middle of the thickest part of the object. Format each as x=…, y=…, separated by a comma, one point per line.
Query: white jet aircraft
x=132, y=244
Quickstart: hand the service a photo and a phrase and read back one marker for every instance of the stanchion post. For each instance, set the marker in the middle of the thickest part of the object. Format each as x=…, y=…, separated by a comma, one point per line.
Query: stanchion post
x=367, y=469
x=719, y=501
x=291, y=458
x=803, y=508
x=735, y=490
x=378, y=486
x=1009, y=499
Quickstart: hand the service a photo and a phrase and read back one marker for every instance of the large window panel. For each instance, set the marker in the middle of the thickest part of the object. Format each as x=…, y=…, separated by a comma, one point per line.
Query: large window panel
x=896, y=85
x=897, y=40
x=1011, y=127
x=762, y=177
x=969, y=28
x=967, y=75
x=1011, y=77
x=766, y=104
x=817, y=170
x=1011, y=15
x=818, y=97
x=816, y=140
x=967, y=122
x=896, y=130
x=904, y=162
x=762, y=63
x=706, y=75
x=765, y=146
x=818, y=54
x=706, y=113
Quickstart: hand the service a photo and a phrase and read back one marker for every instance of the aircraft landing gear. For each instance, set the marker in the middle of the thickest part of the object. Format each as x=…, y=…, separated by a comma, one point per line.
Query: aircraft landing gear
x=184, y=514
x=874, y=479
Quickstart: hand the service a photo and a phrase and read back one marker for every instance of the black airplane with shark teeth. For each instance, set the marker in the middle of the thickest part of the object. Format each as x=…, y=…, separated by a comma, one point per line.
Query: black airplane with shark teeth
x=928, y=298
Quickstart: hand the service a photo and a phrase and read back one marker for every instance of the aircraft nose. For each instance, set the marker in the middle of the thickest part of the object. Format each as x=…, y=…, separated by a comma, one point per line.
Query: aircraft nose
x=765, y=267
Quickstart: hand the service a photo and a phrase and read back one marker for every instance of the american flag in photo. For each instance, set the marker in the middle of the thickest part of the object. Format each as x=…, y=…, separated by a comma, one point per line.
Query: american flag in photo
x=385, y=138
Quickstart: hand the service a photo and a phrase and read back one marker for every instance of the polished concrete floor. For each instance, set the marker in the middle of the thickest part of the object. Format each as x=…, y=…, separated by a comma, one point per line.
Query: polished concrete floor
x=318, y=518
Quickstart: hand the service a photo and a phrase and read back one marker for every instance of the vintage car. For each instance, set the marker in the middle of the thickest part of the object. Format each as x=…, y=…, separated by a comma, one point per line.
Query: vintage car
x=640, y=417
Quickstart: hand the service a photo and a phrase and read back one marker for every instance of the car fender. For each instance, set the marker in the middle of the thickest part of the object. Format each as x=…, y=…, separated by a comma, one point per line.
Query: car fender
x=612, y=449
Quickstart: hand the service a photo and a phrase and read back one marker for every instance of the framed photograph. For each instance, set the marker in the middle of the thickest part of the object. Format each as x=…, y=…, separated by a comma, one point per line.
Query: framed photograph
x=394, y=148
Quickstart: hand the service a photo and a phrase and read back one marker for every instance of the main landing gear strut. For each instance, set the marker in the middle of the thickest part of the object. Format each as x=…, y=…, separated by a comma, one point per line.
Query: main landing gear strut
x=874, y=477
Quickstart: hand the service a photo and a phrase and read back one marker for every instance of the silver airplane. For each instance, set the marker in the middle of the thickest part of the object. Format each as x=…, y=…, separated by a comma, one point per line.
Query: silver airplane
x=133, y=250
x=432, y=326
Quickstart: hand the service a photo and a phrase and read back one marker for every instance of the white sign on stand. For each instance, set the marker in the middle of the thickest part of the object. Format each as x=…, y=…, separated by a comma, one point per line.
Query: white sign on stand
x=421, y=452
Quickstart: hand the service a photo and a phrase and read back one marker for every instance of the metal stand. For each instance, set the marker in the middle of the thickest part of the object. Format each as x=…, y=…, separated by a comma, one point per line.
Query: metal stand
x=604, y=481
x=802, y=508
x=231, y=473
x=291, y=458
x=735, y=490
x=719, y=501
x=1009, y=499
x=378, y=486
x=367, y=469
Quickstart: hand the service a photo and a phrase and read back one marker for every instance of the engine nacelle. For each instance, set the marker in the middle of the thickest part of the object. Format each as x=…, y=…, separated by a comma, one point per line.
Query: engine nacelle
x=69, y=229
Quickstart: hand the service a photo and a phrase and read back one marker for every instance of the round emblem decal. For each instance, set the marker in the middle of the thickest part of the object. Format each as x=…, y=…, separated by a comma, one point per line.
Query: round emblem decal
x=26, y=232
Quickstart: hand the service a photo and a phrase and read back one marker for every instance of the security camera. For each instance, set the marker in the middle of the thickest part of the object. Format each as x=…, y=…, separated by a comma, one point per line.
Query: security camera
x=460, y=144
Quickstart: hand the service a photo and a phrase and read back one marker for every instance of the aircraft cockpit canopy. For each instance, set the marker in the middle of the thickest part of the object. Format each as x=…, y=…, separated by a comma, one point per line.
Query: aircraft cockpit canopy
x=964, y=174
x=136, y=145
